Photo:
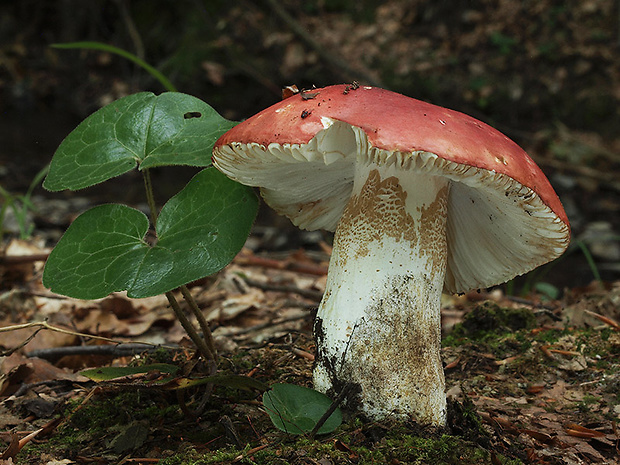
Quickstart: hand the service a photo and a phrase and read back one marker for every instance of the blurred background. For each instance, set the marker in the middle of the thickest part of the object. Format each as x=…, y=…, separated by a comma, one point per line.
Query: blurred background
x=544, y=72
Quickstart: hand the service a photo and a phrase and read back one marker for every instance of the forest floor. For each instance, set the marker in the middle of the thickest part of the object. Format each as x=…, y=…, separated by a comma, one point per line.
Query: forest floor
x=529, y=380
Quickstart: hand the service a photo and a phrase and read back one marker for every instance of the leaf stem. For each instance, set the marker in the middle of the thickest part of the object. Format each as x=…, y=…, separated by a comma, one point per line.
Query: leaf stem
x=163, y=80
x=202, y=321
x=205, y=344
x=590, y=259
x=201, y=345
x=150, y=196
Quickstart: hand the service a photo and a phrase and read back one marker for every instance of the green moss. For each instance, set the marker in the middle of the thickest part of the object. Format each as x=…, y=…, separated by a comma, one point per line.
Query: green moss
x=93, y=424
x=97, y=420
x=362, y=443
x=411, y=449
x=241, y=361
x=550, y=336
x=494, y=329
x=489, y=318
x=193, y=457
x=587, y=402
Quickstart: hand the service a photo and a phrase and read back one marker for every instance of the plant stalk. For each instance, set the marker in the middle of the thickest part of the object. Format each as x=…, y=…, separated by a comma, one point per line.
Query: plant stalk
x=163, y=80
x=202, y=321
x=201, y=345
x=150, y=196
x=205, y=344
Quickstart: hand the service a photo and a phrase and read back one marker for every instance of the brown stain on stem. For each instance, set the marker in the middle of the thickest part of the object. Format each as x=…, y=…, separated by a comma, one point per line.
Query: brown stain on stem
x=379, y=211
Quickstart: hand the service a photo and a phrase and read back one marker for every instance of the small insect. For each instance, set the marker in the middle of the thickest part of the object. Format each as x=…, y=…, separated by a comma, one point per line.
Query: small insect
x=305, y=114
x=354, y=85
x=192, y=114
x=307, y=95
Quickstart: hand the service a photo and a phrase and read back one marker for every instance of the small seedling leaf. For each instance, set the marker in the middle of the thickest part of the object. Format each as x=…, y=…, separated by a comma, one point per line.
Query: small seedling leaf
x=170, y=382
x=130, y=436
x=110, y=373
x=547, y=290
x=231, y=381
x=142, y=130
x=297, y=409
x=199, y=231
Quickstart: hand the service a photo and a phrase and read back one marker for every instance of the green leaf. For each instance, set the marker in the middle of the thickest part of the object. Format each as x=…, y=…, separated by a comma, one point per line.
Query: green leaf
x=199, y=230
x=231, y=381
x=142, y=130
x=110, y=373
x=548, y=290
x=169, y=383
x=130, y=436
x=296, y=409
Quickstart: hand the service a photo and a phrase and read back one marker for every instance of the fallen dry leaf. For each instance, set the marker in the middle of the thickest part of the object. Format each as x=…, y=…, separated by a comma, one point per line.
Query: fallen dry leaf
x=573, y=429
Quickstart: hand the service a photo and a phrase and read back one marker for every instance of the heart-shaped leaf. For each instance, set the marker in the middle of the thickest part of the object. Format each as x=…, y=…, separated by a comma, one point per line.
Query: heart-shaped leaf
x=143, y=130
x=297, y=409
x=199, y=231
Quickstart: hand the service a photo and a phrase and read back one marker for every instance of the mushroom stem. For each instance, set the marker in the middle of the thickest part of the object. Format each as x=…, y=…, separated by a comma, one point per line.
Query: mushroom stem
x=378, y=325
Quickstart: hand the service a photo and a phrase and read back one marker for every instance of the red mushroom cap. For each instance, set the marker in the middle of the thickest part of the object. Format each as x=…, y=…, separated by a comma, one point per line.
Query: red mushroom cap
x=392, y=123
x=396, y=122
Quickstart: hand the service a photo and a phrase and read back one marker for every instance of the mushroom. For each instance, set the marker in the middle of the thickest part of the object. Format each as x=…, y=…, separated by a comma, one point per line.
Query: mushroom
x=422, y=200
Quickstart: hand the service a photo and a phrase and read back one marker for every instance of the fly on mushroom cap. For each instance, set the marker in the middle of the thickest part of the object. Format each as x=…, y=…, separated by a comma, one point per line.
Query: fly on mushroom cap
x=422, y=198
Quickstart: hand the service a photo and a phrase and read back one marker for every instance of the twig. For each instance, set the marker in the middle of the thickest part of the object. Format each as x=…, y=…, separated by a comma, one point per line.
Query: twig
x=253, y=260
x=314, y=295
x=604, y=319
x=48, y=382
x=46, y=325
x=296, y=351
x=6, y=353
x=332, y=408
x=250, y=452
x=231, y=431
x=260, y=326
x=19, y=259
x=337, y=62
x=531, y=303
x=117, y=350
x=609, y=180
x=294, y=303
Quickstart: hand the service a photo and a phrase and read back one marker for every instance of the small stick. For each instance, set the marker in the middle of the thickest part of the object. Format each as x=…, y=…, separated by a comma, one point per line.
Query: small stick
x=19, y=259
x=332, y=408
x=318, y=270
x=250, y=452
x=604, y=319
x=45, y=325
x=116, y=350
x=309, y=293
x=260, y=326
